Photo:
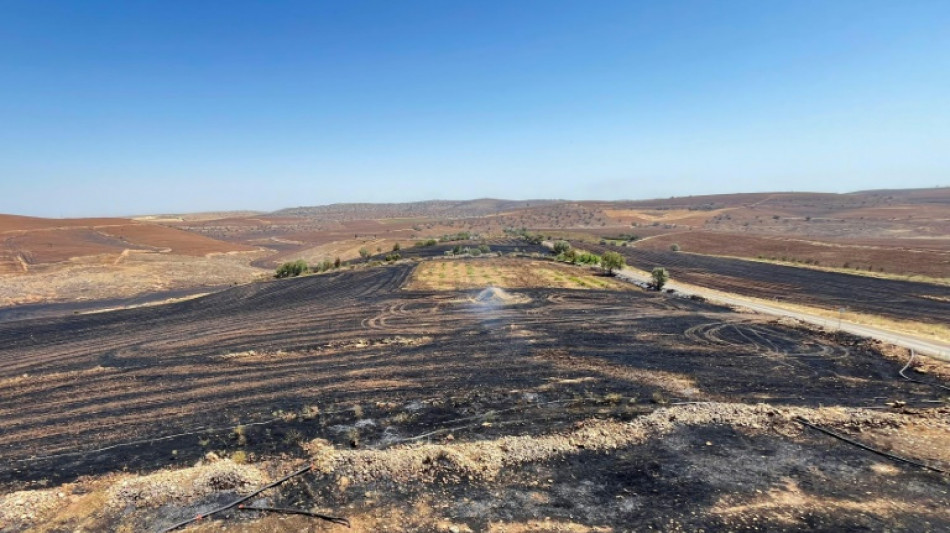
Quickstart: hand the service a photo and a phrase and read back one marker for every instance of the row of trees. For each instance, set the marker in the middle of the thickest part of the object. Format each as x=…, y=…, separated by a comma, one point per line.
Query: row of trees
x=292, y=269
x=609, y=261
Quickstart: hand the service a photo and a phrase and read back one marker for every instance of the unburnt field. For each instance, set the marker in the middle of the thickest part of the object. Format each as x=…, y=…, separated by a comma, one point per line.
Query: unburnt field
x=423, y=407
x=508, y=273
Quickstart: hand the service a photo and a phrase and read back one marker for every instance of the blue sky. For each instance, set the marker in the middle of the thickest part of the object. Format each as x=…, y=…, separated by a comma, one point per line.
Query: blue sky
x=112, y=108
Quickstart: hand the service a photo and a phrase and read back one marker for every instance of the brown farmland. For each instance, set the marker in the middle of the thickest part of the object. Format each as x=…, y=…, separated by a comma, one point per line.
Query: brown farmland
x=47, y=260
x=531, y=409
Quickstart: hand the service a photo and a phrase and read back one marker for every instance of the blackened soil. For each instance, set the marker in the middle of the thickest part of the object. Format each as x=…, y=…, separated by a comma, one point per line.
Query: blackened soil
x=50, y=310
x=903, y=300
x=352, y=358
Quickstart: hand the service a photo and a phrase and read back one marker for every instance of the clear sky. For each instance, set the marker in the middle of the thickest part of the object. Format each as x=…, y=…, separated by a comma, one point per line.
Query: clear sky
x=111, y=108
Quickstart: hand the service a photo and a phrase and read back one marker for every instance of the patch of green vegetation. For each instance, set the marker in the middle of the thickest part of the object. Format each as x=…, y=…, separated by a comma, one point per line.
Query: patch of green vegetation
x=292, y=269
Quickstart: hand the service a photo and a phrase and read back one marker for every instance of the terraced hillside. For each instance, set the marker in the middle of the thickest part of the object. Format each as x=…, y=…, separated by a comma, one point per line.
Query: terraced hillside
x=531, y=409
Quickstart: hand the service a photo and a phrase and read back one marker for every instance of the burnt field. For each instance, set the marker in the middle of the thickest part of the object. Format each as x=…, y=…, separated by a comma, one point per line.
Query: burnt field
x=535, y=409
x=903, y=300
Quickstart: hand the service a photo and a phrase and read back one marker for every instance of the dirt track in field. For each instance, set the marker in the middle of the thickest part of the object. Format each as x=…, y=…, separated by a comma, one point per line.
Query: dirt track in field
x=355, y=359
x=902, y=300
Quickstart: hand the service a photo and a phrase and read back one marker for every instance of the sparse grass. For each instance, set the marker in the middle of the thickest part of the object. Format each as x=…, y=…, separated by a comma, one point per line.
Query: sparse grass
x=584, y=283
x=240, y=436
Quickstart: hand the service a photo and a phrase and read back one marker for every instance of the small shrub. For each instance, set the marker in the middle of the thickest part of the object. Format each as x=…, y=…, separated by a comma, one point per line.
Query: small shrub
x=569, y=256
x=660, y=277
x=310, y=412
x=613, y=397
x=240, y=436
x=675, y=247
x=292, y=437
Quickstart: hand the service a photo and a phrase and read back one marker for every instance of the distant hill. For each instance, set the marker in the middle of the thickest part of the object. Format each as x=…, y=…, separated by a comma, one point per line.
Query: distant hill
x=812, y=202
x=429, y=208
x=796, y=200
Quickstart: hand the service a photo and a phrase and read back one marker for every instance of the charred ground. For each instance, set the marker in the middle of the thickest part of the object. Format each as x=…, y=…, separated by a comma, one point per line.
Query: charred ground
x=904, y=300
x=350, y=369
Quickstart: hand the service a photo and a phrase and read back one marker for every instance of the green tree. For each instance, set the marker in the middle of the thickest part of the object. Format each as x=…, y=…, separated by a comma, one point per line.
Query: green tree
x=337, y=262
x=561, y=247
x=612, y=261
x=364, y=253
x=396, y=247
x=675, y=247
x=291, y=269
x=660, y=277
